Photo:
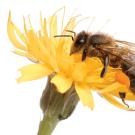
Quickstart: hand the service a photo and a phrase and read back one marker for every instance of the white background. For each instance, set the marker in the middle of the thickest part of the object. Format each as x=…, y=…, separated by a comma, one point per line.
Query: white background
x=19, y=103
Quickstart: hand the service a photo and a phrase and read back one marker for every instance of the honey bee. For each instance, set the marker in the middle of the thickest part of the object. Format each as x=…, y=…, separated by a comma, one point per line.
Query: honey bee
x=112, y=52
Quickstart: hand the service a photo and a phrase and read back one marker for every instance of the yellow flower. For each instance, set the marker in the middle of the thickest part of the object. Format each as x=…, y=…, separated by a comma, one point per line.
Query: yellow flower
x=51, y=56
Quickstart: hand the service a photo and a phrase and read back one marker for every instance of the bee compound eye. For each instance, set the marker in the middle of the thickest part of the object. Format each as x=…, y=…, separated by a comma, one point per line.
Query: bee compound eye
x=80, y=41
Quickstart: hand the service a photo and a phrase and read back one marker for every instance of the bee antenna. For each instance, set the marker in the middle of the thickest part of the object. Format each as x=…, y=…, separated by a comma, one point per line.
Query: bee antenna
x=72, y=32
x=65, y=36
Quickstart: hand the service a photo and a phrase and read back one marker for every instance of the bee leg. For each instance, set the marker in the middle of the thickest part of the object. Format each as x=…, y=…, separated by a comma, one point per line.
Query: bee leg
x=106, y=63
x=84, y=54
x=122, y=96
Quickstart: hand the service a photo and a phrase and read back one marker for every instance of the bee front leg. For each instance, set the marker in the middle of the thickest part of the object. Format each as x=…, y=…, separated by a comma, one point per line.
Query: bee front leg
x=106, y=63
x=84, y=54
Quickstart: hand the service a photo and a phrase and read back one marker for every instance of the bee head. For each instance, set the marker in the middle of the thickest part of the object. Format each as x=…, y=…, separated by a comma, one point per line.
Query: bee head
x=80, y=42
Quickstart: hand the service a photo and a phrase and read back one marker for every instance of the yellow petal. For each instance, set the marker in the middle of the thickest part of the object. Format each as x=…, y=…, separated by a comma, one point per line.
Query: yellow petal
x=80, y=71
x=113, y=101
x=70, y=25
x=94, y=63
x=85, y=95
x=35, y=47
x=21, y=53
x=61, y=82
x=65, y=64
x=113, y=87
x=27, y=55
x=33, y=72
x=43, y=24
x=12, y=30
x=53, y=26
x=45, y=28
x=94, y=79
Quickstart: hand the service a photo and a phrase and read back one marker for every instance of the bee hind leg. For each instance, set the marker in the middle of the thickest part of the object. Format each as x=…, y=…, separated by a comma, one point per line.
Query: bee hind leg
x=122, y=96
x=106, y=63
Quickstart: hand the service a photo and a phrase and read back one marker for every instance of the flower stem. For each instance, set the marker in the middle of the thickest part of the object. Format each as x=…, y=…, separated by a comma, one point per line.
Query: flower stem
x=47, y=125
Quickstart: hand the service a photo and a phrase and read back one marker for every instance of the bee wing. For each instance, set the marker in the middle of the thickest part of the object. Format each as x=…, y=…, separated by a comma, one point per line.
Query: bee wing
x=124, y=44
x=123, y=50
x=129, y=49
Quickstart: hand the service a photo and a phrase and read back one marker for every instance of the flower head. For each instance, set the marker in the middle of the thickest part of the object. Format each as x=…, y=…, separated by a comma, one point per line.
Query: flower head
x=51, y=56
